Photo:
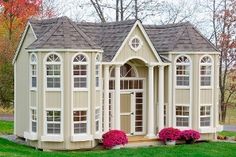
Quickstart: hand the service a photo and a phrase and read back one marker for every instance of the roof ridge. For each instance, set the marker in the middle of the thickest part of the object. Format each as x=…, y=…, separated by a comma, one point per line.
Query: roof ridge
x=86, y=37
x=168, y=25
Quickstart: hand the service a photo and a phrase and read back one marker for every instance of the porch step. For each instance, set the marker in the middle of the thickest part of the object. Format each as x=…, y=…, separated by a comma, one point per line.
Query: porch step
x=142, y=141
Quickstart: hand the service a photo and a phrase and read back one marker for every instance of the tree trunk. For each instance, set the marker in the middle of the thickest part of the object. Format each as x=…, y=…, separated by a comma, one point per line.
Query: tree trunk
x=117, y=10
x=121, y=10
x=136, y=9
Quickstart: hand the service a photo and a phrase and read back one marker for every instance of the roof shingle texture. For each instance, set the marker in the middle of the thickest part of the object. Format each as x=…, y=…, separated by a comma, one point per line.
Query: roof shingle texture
x=62, y=33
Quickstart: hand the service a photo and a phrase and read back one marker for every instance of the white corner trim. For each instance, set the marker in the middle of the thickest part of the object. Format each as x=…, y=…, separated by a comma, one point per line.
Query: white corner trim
x=52, y=138
x=30, y=136
x=81, y=137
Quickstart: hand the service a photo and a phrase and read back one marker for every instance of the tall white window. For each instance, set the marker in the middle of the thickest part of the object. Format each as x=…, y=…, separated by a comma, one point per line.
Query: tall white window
x=182, y=116
x=53, y=121
x=182, y=71
x=53, y=71
x=205, y=116
x=205, y=71
x=33, y=120
x=80, y=72
x=98, y=70
x=97, y=119
x=33, y=71
x=80, y=121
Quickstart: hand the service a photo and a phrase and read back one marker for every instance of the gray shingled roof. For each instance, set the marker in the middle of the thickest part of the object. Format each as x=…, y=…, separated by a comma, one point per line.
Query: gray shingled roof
x=62, y=33
x=178, y=37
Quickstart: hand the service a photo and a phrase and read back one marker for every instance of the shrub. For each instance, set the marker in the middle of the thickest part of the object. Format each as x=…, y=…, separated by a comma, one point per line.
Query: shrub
x=113, y=138
x=189, y=135
x=169, y=134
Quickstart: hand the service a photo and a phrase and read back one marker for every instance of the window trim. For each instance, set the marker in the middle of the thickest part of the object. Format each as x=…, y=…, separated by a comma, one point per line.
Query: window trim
x=140, y=45
x=212, y=72
x=190, y=72
x=31, y=120
x=99, y=69
x=87, y=72
x=61, y=122
x=30, y=71
x=211, y=116
x=99, y=119
x=190, y=117
x=45, y=71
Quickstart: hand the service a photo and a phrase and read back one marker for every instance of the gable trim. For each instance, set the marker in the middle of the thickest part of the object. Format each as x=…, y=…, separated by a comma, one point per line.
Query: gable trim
x=138, y=23
x=191, y=52
x=65, y=50
x=21, y=41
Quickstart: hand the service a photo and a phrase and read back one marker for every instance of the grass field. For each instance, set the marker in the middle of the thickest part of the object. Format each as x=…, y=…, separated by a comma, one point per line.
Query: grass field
x=227, y=133
x=6, y=127
x=211, y=149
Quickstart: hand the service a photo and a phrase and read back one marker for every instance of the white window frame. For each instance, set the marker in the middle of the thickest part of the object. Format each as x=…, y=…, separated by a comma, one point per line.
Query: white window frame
x=211, y=75
x=97, y=119
x=77, y=122
x=33, y=120
x=210, y=116
x=53, y=122
x=140, y=44
x=98, y=71
x=53, y=76
x=80, y=76
x=182, y=116
x=33, y=63
x=190, y=71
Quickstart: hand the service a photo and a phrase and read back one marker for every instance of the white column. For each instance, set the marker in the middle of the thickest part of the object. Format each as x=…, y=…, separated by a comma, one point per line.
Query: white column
x=117, y=97
x=106, y=98
x=161, y=99
x=150, y=103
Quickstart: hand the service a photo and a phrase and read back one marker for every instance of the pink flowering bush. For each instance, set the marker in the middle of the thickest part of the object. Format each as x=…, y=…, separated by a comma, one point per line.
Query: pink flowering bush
x=113, y=138
x=169, y=134
x=190, y=135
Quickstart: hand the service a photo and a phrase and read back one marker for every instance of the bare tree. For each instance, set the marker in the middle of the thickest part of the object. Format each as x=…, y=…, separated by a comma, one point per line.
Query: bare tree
x=97, y=7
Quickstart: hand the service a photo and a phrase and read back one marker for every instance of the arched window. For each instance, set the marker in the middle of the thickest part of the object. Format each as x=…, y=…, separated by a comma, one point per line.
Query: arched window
x=125, y=71
x=205, y=71
x=182, y=71
x=53, y=71
x=33, y=71
x=98, y=60
x=80, y=71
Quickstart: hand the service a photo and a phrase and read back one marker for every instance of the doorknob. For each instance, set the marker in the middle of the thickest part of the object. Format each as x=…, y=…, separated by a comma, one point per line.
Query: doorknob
x=132, y=113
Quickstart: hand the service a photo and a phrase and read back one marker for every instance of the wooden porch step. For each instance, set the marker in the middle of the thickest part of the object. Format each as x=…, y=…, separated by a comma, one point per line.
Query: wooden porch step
x=142, y=141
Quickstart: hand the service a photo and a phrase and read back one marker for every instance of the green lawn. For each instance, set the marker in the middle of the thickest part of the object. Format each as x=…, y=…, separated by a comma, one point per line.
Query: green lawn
x=6, y=127
x=227, y=133
x=212, y=149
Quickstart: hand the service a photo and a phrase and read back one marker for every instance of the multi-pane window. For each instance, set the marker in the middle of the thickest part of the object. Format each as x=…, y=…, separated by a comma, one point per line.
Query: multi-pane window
x=205, y=116
x=97, y=117
x=182, y=116
x=182, y=71
x=97, y=70
x=80, y=121
x=53, y=71
x=205, y=71
x=33, y=120
x=80, y=71
x=135, y=43
x=33, y=73
x=53, y=121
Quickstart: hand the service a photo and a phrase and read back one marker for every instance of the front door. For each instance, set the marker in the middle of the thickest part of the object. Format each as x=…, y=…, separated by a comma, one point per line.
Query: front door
x=126, y=113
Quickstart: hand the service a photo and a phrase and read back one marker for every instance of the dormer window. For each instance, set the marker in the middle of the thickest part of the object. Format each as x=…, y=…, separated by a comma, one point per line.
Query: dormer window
x=135, y=43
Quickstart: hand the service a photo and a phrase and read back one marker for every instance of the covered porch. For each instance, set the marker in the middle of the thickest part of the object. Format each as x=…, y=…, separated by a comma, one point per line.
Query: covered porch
x=134, y=97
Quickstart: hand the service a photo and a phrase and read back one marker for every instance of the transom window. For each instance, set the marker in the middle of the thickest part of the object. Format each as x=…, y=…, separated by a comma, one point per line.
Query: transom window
x=33, y=73
x=205, y=116
x=98, y=70
x=53, y=122
x=205, y=71
x=125, y=71
x=135, y=43
x=80, y=65
x=80, y=121
x=33, y=120
x=182, y=71
x=53, y=71
x=182, y=116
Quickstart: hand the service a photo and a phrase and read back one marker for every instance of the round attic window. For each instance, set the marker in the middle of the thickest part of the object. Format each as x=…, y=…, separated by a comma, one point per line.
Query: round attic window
x=135, y=43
